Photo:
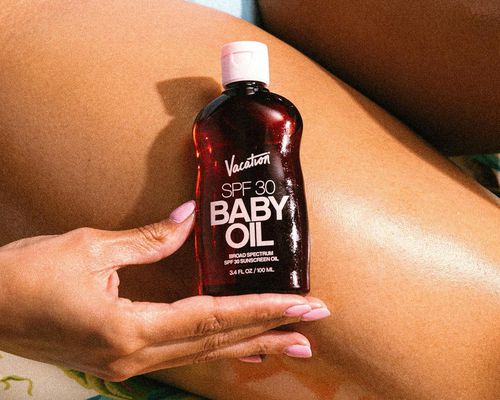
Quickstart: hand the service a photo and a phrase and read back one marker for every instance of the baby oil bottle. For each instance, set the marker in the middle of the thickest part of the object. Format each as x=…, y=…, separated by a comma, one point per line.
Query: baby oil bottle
x=251, y=231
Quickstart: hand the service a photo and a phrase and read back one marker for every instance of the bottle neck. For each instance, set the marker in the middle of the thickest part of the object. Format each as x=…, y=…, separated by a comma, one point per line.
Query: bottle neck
x=246, y=87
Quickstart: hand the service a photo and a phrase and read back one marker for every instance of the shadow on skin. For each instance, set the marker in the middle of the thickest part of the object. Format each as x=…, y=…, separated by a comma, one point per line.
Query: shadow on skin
x=424, y=151
x=162, y=191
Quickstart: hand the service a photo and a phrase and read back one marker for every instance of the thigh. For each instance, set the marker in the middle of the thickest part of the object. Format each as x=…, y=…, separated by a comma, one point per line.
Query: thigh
x=96, y=105
x=433, y=63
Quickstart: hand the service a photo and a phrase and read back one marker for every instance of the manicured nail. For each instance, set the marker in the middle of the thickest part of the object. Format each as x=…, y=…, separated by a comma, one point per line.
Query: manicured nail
x=298, y=351
x=181, y=213
x=316, y=305
x=295, y=311
x=314, y=315
x=251, y=359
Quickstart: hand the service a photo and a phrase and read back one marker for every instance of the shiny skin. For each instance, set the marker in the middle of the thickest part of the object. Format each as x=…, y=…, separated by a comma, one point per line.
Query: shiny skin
x=96, y=130
x=60, y=304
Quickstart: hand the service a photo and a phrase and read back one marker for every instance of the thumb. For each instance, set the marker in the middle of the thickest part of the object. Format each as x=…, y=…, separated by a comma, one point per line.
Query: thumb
x=153, y=242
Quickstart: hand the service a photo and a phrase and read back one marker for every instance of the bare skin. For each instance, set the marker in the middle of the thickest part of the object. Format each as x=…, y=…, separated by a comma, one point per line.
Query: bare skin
x=432, y=63
x=68, y=310
x=404, y=246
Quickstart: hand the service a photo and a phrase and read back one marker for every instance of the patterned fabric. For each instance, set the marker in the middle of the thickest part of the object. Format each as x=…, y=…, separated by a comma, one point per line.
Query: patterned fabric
x=484, y=168
x=137, y=388
x=21, y=379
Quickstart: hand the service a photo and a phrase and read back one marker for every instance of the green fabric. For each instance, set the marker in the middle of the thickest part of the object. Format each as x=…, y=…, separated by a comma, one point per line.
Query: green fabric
x=136, y=388
x=490, y=160
x=6, y=382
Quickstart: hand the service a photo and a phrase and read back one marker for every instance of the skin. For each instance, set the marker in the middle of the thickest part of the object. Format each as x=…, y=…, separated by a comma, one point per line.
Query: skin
x=115, y=338
x=432, y=63
x=97, y=103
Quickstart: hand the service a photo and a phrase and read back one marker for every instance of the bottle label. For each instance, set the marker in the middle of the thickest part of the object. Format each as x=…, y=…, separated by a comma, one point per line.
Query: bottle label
x=246, y=210
x=252, y=161
x=247, y=220
x=253, y=221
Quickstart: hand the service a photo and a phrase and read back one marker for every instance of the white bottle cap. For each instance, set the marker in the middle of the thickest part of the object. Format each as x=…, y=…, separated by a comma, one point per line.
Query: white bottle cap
x=244, y=61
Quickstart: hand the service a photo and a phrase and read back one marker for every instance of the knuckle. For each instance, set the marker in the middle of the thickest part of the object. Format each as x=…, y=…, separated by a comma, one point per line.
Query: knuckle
x=152, y=236
x=120, y=339
x=265, y=309
x=123, y=347
x=85, y=234
x=215, y=341
x=86, y=239
x=117, y=371
x=205, y=356
x=261, y=347
x=214, y=321
x=208, y=326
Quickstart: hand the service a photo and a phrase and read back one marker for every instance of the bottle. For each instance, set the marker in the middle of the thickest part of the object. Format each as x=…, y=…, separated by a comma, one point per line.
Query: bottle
x=251, y=231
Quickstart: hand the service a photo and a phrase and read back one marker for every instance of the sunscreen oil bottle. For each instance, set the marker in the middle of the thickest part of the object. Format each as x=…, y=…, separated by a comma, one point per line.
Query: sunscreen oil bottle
x=251, y=232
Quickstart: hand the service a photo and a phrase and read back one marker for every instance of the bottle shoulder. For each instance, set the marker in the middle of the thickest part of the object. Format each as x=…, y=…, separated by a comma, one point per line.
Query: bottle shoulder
x=248, y=121
x=240, y=104
x=211, y=107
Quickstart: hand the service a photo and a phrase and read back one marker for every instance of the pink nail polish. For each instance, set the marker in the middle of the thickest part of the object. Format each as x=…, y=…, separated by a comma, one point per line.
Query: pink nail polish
x=295, y=311
x=181, y=213
x=316, y=314
x=298, y=351
x=251, y=359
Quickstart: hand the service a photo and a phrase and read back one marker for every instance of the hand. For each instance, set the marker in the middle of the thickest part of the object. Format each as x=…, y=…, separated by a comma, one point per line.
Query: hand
x=59, y=304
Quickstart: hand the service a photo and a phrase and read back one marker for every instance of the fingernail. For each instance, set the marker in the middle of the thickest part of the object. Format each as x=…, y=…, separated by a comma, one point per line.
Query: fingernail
x=316, y=305
x=182, y=212
x=314, y=315
x=298, y=351
x=251, y=359
x=295, y=311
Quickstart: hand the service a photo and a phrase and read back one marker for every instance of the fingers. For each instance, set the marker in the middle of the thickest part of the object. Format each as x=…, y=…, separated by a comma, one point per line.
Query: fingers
x=153, y=242
x=315, y=302
x=143, y=245
x=292, y=344
x=138, y=352
x=203, y=328
x=207, y=315
x=174, y=349
x=150, y=336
